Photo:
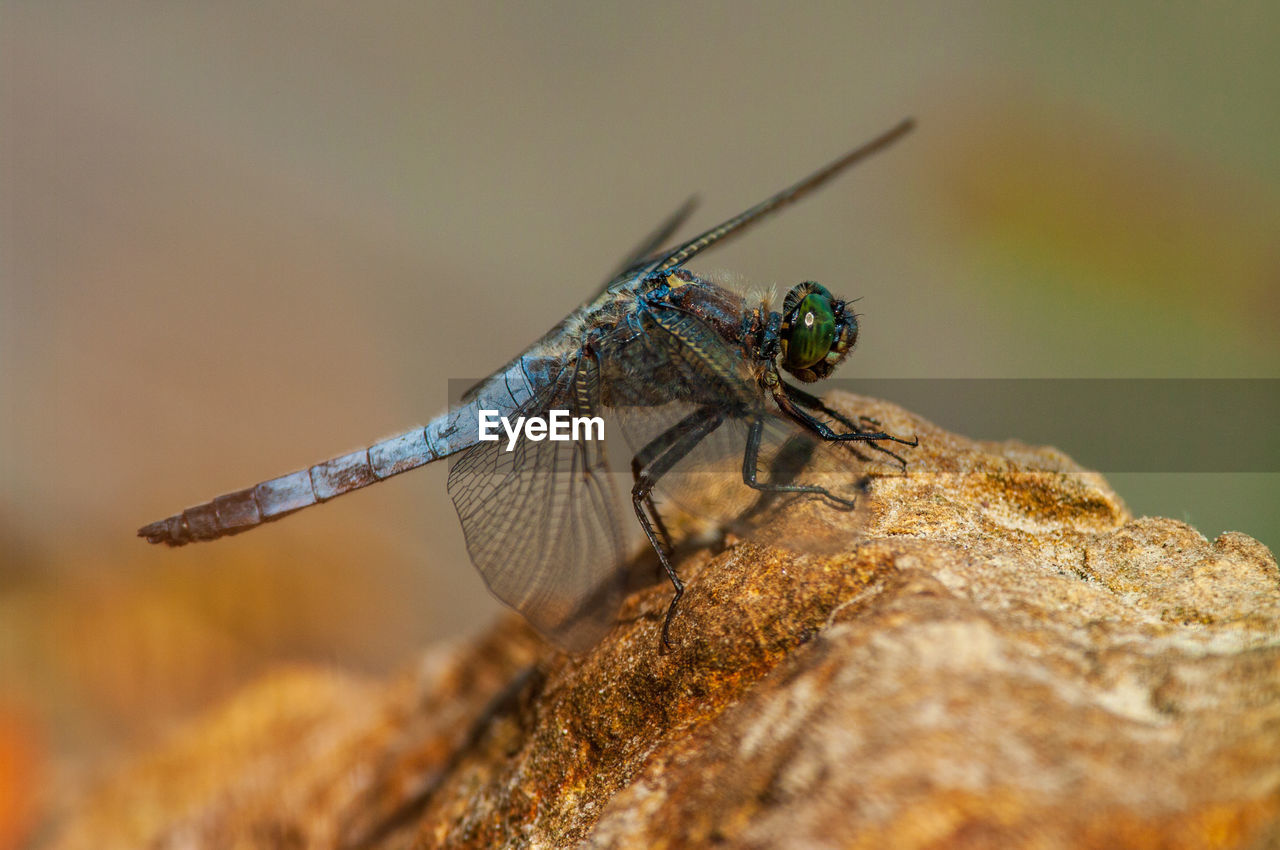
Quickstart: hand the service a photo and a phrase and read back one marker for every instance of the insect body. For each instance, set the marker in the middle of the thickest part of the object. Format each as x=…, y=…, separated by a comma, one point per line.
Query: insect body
x=676, y=358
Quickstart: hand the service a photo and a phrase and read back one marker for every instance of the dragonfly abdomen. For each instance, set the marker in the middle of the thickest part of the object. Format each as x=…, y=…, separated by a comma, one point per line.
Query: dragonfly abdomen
x=232, y=513
x=449, y=433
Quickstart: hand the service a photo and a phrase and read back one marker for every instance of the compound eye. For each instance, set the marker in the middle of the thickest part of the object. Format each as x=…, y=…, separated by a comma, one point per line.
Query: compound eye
x=812, y=331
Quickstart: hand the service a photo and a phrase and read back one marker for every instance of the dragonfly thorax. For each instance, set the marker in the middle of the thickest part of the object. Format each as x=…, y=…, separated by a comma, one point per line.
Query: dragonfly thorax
x=816, y=333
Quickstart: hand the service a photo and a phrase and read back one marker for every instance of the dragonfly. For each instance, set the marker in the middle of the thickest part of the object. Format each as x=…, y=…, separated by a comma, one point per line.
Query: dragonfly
x=681, y=360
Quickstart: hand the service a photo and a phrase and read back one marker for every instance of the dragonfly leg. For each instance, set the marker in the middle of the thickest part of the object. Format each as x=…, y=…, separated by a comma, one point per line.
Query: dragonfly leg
x=870, y=423
x=667, y=450
x=750, y=467
x=792, y=399
x=664, y=536
x=646, y=455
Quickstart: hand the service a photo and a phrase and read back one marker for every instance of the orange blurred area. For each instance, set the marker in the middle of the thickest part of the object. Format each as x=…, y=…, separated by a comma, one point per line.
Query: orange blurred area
x=23, y=765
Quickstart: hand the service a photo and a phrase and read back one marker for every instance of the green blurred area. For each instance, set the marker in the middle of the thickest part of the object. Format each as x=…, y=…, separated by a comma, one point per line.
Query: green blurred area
x=243, y=237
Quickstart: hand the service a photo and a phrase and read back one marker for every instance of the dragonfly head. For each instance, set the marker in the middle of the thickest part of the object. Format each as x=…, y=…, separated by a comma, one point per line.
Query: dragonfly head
x=817, y=332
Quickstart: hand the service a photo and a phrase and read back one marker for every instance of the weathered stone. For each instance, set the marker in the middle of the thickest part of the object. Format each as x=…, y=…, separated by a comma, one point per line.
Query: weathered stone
x=1000, y=656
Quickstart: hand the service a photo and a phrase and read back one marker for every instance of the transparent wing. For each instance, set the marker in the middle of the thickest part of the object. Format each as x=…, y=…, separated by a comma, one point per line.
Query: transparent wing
x=542, y=526
x=644, y=253
x=740, y=222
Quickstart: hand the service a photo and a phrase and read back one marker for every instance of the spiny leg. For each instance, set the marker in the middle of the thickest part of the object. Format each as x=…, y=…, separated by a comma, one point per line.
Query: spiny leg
x=750, y=469
x=645, y=456
x=664, y=536
x=679, y=440
x=793, y=396
x=812, y=402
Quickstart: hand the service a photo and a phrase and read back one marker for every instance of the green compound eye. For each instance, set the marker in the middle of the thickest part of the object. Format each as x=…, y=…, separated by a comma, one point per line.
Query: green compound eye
x=812, y=331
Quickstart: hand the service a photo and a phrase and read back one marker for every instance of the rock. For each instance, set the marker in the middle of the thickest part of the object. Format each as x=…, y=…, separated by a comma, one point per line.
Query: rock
x=1000, y=656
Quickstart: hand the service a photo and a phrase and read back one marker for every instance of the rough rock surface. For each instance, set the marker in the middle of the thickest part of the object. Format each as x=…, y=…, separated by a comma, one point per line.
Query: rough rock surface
x=1001, y=657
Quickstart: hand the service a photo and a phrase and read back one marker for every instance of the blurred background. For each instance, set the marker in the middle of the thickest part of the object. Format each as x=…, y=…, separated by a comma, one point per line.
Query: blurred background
x=239, y=238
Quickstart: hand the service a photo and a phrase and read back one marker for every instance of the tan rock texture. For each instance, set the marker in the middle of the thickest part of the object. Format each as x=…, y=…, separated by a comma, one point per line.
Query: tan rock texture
x=1000, y=657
